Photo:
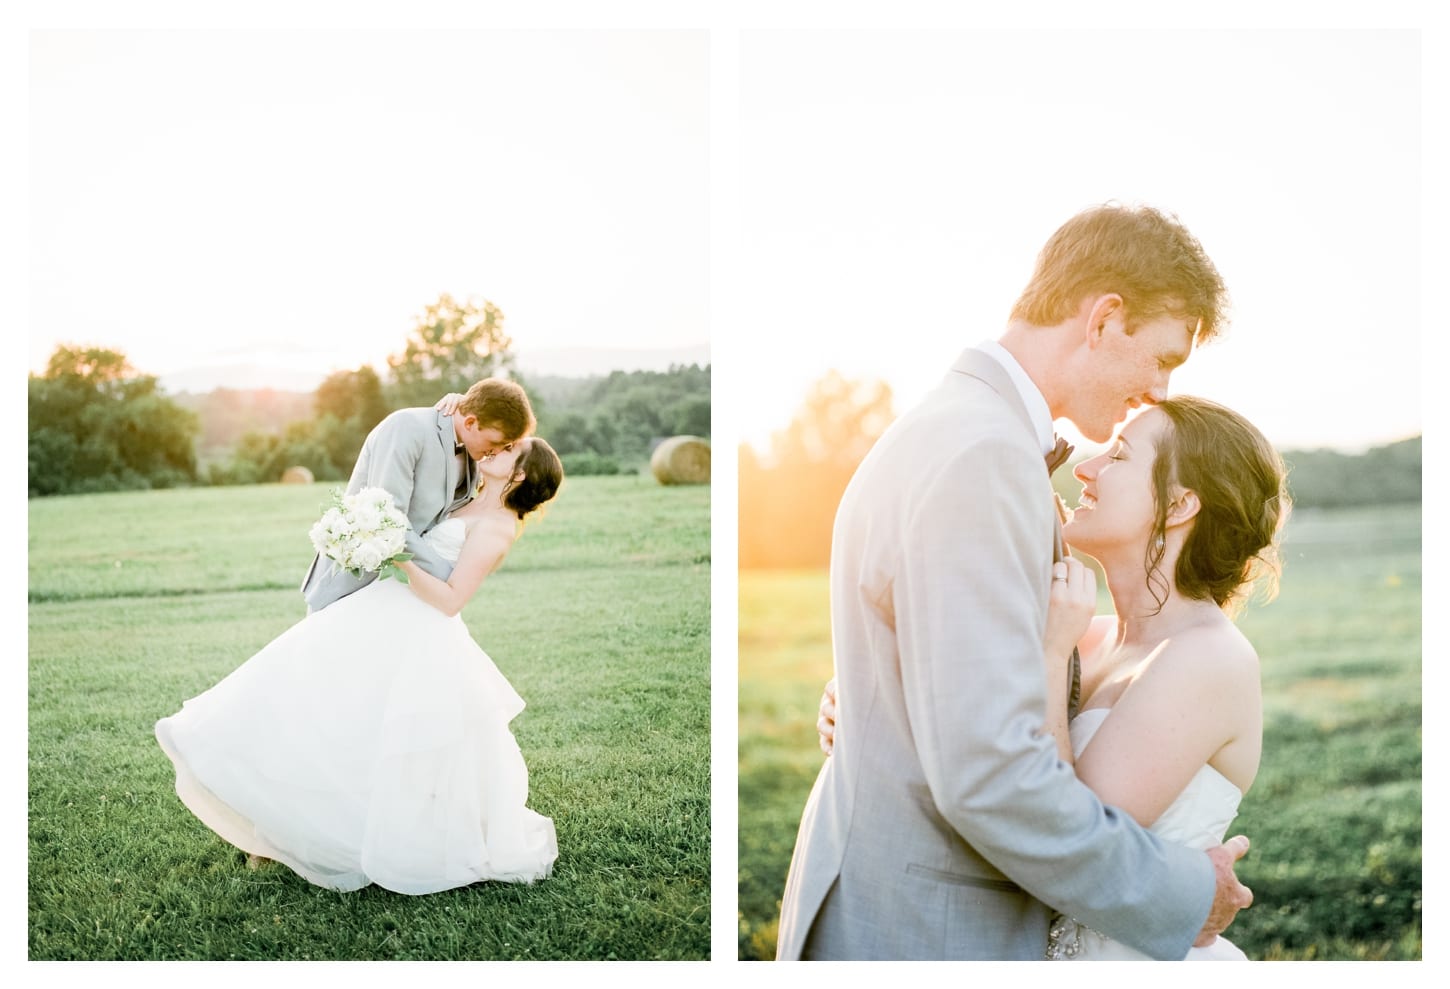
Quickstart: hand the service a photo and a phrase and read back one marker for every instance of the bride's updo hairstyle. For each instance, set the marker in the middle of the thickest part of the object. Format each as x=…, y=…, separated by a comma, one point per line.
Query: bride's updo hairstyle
x=543, y=473
x=1243, y=503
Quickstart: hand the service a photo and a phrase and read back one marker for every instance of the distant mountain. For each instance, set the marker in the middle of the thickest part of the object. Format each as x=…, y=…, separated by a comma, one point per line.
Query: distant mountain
x=585, y=362
x=240, y=377
x=560, y=362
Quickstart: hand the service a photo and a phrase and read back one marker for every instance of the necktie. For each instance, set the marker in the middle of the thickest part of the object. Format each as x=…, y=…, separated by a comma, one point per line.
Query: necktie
x=460, y=456
x=1055, y=458
x=1058, y=455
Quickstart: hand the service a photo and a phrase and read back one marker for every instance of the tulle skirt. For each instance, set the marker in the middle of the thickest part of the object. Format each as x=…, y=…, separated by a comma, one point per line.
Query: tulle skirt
x=369, y=743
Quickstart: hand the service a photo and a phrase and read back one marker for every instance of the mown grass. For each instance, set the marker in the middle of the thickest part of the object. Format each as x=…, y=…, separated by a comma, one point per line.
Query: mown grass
x=1335, y=814
x=600, y=619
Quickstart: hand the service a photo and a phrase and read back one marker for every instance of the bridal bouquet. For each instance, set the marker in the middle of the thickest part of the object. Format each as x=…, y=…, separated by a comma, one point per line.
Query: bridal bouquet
x=363, y=533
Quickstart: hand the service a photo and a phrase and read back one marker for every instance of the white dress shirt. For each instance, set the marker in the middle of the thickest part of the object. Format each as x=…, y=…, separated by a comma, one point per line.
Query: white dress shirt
x=1032, y=398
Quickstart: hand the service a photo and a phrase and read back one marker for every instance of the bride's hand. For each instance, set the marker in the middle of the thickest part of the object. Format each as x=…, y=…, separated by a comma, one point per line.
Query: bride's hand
x=448, y=404
x=1070, y=607
x=826, y=723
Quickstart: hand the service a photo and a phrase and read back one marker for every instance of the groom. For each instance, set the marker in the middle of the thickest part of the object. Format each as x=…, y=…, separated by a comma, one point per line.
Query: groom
x=943, y=825
x=427, y=461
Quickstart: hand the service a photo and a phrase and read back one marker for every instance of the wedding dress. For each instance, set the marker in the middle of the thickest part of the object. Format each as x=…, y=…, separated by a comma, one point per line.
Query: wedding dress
x=1198, y=818
x=369, y=743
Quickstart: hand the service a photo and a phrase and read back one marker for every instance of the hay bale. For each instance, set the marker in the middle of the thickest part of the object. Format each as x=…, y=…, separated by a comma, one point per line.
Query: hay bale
x=297, y=475
x=681, y=460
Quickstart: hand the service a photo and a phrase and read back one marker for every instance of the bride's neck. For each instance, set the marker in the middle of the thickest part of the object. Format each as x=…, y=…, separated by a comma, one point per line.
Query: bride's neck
x=490, y=499
x=1146, y=619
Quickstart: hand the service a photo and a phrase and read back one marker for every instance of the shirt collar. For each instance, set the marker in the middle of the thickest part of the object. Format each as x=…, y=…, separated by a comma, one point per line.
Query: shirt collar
x=1032, y=399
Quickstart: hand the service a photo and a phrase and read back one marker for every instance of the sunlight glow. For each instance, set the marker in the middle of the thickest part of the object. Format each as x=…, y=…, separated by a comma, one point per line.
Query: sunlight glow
x=896, y=187
x=292, y=199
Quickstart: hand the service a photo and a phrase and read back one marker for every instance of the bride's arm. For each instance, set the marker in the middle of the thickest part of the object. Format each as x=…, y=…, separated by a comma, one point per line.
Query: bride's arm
x=1070, y=608
x=826, y=718
x=482, y=552
x=1199, y=693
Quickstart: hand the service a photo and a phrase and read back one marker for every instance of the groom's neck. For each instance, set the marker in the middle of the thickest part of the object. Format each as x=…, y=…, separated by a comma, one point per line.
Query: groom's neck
x=1042, y=351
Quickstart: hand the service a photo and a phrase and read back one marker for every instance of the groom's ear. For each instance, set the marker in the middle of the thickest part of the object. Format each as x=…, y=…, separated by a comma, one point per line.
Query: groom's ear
x=1103, y=312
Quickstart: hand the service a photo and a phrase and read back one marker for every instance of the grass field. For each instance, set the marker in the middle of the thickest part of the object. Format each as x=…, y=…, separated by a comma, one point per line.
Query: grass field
x=1335, y=814
x=141, y=600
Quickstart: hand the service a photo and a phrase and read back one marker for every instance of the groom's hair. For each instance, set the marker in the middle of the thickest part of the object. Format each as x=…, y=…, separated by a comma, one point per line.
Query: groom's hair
x=502, y=404
x=1144, y=255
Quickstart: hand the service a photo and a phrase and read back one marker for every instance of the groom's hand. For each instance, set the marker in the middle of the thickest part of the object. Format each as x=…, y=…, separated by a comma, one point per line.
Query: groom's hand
x=1229, y=895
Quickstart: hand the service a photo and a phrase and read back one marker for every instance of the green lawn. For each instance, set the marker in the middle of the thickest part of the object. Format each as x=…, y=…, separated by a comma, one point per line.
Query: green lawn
x=140, y=600
x=1335, y=814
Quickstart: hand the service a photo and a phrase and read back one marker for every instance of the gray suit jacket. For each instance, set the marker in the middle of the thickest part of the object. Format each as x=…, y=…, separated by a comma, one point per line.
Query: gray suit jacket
x=944, y=825
x=410, y=453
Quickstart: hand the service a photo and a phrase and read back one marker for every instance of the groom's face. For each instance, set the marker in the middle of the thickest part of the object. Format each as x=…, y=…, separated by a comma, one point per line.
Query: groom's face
x=483, y=441
x=1128, y=370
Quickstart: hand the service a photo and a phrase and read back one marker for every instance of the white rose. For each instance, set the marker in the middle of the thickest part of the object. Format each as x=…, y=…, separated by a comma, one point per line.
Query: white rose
x=377, y=499
x=366, y=519
x=369, y=556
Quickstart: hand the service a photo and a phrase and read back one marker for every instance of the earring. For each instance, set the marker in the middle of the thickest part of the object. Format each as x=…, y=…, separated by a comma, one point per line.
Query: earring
x=1158, y=544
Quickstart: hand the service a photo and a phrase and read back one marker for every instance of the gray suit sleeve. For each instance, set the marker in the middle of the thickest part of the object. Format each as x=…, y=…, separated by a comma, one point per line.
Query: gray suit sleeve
x=971, y=601
x=391, y=461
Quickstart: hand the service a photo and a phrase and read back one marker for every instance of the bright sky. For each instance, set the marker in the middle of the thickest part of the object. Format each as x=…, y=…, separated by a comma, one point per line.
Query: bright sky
x=295, y=197
x=897, y=186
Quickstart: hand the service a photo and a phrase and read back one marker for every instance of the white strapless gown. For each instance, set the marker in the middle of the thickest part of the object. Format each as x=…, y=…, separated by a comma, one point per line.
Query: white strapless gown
x=369, y=743
x=1198, y=818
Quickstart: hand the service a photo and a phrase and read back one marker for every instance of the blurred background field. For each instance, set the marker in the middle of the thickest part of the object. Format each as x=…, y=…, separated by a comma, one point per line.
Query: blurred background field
x=600, y=619
x=1335, y=813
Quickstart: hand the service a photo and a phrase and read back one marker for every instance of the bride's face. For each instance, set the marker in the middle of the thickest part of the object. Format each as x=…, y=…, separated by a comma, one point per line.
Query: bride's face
x=501, y=465
x=1115, y=510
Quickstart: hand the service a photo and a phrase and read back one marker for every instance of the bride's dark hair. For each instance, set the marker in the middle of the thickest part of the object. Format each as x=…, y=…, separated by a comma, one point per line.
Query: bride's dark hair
x=543, y=473
x=1243, y=503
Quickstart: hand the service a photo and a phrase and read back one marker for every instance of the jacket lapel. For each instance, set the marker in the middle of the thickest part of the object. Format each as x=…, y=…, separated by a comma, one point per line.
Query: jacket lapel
x=978, y=365
x=975, y=364
x=446, y=442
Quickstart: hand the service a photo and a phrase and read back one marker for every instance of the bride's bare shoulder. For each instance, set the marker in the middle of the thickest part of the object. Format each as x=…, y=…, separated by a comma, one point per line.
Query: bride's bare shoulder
x=1211, y=651
x=496, y=530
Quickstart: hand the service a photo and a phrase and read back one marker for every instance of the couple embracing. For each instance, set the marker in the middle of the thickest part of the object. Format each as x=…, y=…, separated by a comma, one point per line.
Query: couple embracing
x=1010, y=777
x=370, y=742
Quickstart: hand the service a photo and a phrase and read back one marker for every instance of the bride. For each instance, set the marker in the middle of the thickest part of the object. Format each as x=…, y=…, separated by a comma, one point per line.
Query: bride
x=1183, y=513
x=370, y=742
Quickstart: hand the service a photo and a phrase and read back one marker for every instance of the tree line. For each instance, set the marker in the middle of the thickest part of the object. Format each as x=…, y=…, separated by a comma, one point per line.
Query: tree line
x=789, y=491
x=96, y=423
